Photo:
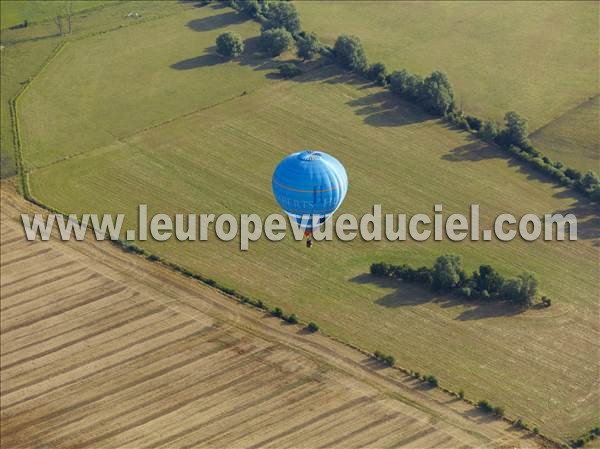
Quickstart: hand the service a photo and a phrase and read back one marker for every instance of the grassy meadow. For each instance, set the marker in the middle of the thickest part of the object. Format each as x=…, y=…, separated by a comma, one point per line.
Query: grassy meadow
x=26, y=50
x=576, y=133
x=14, y=12
x=130, y=119
x=538, y=58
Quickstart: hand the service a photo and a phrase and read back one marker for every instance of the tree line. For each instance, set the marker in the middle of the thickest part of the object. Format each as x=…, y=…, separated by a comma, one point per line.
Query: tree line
x=281, y=30
x=448, y=276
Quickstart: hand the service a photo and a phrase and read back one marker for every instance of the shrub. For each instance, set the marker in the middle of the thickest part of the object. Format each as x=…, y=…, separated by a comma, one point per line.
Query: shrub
x=485, y=406
x=488, y=279
x=389, y=360
x=474, y=122
x=461, y=394
x=519, y=424
x=282, y=15
x=275, y=41
x=312, y=327
x=229, y=44
x=515, y=132
x=380, y=269
x=406, y=85
x=350, y=54
x=438, y=95
x=291, y=319
x=536, y=430
x=308, y=46
x=277, y=312
x=466, y=292
x=445, y=273
x=377, y=73
x=288, y=71
x=432, y=380
x=498, y=411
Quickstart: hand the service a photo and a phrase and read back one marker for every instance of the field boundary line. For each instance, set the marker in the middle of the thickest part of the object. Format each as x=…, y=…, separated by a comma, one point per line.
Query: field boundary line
x=22, y=171
x=573, y=109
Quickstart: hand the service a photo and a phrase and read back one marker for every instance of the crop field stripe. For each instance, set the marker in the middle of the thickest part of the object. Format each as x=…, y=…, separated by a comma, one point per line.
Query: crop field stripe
x=79, y=404
x=285, y=411
x=86, y=325
x=173, y=390
x=26, y=257
x=369, y=426
x=55, y=312
x=54, y=268
x=92, y=284
x=96, y=333
x=275, y=384
x=165, y=348
x=161, y=412
x=46, y=284
x=102, y=356
x=297, y=393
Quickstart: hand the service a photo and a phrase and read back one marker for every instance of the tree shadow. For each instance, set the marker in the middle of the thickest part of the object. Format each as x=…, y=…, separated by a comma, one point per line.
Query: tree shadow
x=410, y=295
x=215, y=22
x=586, y=211
x=383, y=109
x=479, y=416
x=475, y=151
x=587, y=214
x=208, y=59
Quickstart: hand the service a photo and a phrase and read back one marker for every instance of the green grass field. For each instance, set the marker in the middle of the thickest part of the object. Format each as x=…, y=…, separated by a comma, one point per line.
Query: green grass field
x=15, y=11
x=574, y=137
x=26, y=50
x=129, y=119
x=539, y=59
x=19, y=62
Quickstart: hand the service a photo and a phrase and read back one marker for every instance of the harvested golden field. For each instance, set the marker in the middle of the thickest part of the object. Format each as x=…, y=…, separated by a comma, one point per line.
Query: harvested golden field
x=101, y=348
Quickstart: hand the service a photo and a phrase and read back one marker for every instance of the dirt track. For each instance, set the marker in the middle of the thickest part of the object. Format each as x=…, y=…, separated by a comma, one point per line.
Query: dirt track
x=101, y=348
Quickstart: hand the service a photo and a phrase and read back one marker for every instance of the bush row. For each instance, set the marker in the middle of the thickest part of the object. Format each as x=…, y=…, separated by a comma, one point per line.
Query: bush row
x=586, y=438
x=488, y=408
x=382, y=357
x=448, y=275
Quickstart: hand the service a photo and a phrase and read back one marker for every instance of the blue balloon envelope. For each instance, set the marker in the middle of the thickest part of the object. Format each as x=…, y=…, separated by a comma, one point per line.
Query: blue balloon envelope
x=310, y=186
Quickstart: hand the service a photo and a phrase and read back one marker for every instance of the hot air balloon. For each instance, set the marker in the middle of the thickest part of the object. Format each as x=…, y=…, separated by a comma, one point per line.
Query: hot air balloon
x=309, y=186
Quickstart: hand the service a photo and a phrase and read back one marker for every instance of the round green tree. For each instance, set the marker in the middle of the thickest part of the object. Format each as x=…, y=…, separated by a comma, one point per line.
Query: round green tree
x=230, y=44
x=276, y=41
x=350, y=54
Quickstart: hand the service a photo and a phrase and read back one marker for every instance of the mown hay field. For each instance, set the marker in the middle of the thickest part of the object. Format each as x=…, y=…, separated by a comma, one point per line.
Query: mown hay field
x=104, y=349
x=537, y=58
x=166, y=138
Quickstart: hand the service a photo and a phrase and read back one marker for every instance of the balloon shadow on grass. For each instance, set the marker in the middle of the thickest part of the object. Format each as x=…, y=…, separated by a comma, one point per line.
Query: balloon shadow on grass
x=411, y=295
